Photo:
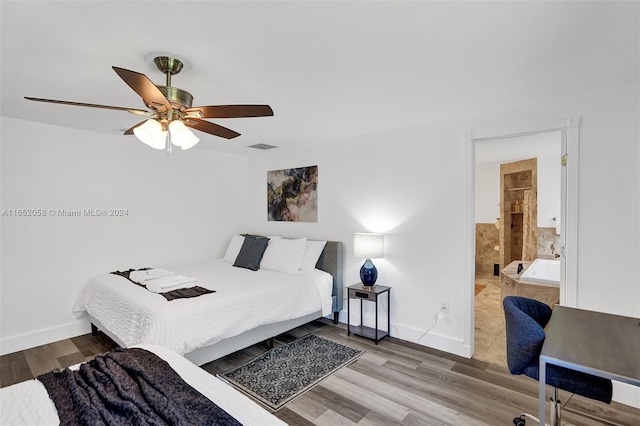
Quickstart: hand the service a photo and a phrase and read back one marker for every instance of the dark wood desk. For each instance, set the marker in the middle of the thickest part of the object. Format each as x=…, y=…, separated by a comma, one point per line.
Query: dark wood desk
x=601, y=344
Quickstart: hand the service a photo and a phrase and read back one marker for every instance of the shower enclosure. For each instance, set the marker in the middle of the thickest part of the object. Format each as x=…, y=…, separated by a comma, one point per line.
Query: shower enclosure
x=518, y=211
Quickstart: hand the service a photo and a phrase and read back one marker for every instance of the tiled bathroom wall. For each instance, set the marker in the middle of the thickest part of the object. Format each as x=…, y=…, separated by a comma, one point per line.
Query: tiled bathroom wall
x=488, y=238
x=548, y=243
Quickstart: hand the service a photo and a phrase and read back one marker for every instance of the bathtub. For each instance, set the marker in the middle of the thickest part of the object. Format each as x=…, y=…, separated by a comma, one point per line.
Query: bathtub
x=542, y=272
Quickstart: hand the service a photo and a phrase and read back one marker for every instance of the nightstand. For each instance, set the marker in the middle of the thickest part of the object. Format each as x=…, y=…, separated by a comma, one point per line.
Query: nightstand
x=370, y=294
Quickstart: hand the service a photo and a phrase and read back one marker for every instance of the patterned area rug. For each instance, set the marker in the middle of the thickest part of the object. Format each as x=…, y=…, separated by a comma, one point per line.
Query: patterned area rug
x=286, y=372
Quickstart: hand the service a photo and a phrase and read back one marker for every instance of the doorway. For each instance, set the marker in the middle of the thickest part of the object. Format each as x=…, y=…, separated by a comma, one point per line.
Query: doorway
x=522, y=227
x=566, y=136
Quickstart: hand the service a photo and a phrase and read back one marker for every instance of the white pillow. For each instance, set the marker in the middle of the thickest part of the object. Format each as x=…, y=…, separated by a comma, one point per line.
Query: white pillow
x=283, y=255
x=312, y=252
x=233, y=249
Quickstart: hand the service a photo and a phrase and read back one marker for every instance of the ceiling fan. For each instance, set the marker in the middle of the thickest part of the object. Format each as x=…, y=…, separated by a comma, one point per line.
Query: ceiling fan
x=171, y=111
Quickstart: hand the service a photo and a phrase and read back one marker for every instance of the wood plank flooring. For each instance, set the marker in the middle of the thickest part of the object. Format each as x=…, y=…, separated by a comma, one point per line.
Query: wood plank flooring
x=393, y=383
x=24, y=365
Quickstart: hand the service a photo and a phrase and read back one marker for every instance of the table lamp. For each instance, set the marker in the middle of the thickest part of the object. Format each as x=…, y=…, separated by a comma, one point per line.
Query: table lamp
x=368, y=246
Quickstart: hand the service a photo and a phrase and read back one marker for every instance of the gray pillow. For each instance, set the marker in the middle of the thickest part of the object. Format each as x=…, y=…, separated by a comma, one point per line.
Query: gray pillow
x=251, y=252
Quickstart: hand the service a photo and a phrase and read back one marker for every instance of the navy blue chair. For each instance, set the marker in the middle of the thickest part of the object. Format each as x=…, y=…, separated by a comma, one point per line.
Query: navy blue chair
x=525, y=321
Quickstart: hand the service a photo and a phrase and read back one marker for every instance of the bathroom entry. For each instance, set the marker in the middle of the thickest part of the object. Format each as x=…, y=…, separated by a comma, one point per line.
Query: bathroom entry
x=518, y=191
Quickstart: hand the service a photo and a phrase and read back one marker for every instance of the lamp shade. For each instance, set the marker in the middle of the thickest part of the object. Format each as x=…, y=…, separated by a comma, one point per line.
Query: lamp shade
x=368, y=246
x=181, y=136
x=151, y=133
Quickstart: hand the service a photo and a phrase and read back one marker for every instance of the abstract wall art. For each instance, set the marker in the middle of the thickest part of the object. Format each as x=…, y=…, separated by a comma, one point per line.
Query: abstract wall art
x=292, y=194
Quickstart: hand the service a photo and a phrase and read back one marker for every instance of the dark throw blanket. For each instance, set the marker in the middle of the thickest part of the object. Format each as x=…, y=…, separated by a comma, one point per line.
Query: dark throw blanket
x=182, y=293
x=129, y=387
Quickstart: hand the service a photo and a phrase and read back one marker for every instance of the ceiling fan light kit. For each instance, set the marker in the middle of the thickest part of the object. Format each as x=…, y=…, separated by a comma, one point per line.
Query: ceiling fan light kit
x=151, y=133
x=172, y=110
x=181, y=136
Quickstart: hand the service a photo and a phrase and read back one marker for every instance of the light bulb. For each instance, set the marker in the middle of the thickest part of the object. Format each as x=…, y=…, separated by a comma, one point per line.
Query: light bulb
x=181, y=136
x=151, y=133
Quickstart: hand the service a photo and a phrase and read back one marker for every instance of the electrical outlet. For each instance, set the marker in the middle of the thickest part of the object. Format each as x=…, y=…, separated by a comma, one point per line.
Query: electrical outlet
x=444, y=306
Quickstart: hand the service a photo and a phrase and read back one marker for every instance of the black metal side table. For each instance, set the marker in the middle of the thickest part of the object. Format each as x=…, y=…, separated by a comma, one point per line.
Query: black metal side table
x=371, y=294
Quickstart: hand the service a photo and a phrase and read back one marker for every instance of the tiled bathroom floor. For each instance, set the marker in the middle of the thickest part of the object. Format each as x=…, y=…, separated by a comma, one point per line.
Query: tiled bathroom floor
x=490, y=332
x=490, y=340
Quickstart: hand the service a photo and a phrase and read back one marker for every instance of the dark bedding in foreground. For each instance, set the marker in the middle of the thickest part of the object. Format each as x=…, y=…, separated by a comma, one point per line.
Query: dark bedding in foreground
x=183, y=293
x=129, y=387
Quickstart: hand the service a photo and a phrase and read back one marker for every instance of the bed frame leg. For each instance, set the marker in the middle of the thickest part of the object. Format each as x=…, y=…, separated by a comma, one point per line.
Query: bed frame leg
x=336, y=315
x=94, y=330
x=270, y=343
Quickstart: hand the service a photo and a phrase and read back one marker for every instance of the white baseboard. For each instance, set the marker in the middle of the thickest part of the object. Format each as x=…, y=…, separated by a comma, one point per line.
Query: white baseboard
x=30, y=340
x=410, y=334
x=432, y=340
x=626, y=394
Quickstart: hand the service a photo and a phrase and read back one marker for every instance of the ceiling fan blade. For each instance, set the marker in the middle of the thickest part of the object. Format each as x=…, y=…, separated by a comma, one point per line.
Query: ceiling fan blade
x=130, y=131
x=211, y=128
x=230, y=111
x=131, y=110
x=144, y=87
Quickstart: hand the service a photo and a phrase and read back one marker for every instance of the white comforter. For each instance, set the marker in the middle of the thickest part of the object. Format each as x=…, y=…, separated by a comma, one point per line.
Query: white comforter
x=28, y=403
x=243, y=300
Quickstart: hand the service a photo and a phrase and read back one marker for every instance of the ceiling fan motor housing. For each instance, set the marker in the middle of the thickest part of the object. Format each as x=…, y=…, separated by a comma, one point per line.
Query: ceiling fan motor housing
x=178, y=98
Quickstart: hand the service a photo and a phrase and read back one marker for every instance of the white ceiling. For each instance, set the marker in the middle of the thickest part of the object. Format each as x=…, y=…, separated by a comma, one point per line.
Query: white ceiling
x=492, y=153
x=329, y=70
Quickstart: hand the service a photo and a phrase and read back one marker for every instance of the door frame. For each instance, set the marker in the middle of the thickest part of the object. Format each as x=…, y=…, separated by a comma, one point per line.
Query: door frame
x=569, y=130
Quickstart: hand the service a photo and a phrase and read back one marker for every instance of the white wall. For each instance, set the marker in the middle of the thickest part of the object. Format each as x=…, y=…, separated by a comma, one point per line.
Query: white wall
x=410, y=184
x=490, y=154
x=181, y=207
x=487, y=193
x=399, y=183
x=608, y=166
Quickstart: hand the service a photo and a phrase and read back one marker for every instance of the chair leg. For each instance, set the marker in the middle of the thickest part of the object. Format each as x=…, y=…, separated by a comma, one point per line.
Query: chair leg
x=555, y=418
x=519, y=421
x=555, y=406
x=556, y=413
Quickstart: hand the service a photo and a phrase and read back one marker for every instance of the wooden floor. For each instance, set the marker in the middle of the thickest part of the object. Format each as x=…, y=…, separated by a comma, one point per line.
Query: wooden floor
x=393, y=383
x=24, y=365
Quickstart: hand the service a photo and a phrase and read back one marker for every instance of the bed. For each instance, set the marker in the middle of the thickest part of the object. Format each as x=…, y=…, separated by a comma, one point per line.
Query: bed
x=29, y=403
x=247, y=307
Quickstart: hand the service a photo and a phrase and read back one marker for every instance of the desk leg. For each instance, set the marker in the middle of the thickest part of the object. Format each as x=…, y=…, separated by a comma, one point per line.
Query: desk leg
x=376, y=321
x=348, y=316
x=542, y=394
x=389, y=312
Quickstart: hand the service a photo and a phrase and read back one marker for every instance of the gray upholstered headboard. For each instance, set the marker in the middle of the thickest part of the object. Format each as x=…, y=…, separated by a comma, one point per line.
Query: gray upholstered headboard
x=331, y=261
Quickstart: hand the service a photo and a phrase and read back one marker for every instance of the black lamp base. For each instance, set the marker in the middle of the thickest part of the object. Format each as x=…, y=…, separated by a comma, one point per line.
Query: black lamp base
x=368, y=273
